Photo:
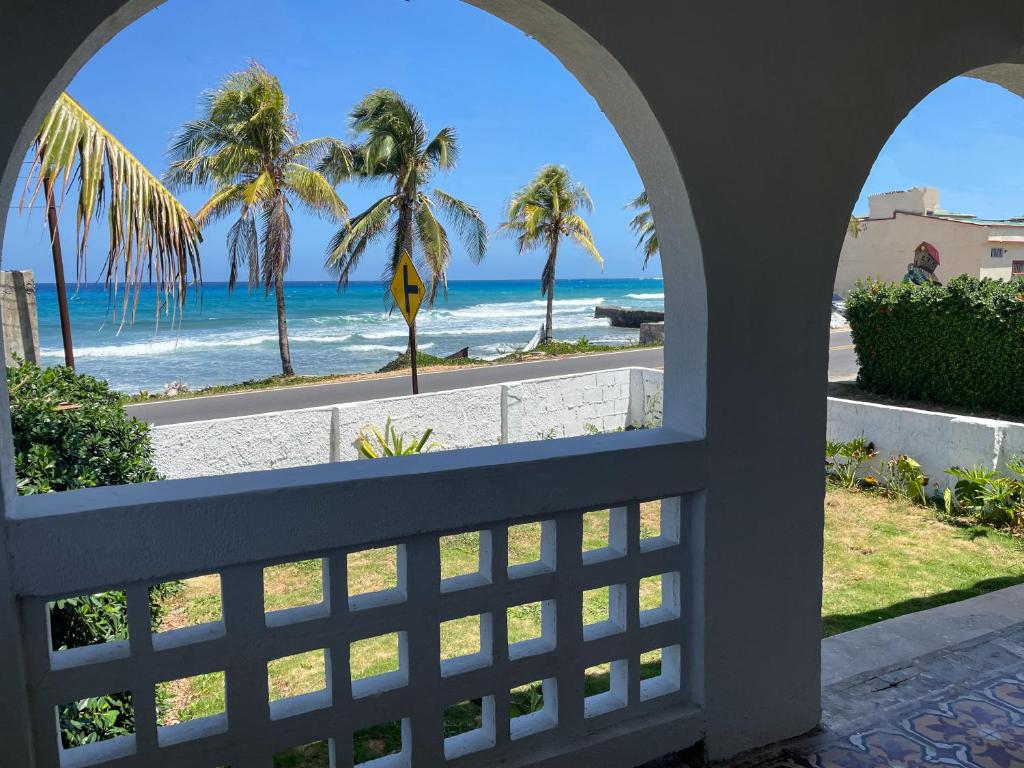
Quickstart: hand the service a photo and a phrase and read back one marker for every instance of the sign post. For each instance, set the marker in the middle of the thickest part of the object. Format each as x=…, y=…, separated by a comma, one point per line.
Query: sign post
x=408, y=289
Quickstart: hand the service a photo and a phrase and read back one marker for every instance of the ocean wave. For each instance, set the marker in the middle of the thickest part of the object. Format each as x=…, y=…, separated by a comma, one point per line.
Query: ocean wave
x=646, y=296
x=385, y=347
x=164, y=347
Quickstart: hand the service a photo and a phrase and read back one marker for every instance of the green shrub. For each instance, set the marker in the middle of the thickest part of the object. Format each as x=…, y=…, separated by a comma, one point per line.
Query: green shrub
x=987, y=497
x=843, y=460
x=958, y=345
x=70, y=431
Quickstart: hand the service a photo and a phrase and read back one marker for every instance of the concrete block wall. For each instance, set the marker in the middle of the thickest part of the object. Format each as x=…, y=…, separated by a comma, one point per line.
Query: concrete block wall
x=19, y=315
x=516, y=412
x=567, y=406
x=936, y=440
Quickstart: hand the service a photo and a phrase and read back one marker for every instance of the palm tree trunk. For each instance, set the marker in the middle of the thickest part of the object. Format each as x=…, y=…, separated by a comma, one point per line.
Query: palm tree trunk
x=549, y=279
x=282, y=326
x=58, y=274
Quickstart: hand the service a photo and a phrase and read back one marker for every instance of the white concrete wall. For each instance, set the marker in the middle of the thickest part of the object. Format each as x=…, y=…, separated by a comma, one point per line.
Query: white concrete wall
x=563, y=406
x=248, y=444
x=463, y=418
x=936, y=440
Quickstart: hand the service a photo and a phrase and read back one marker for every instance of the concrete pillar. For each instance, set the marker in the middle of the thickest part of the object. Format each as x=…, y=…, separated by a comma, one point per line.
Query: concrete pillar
x=19, y=316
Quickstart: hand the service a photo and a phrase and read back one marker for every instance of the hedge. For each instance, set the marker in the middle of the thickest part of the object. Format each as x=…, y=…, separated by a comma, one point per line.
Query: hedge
x=956, y=345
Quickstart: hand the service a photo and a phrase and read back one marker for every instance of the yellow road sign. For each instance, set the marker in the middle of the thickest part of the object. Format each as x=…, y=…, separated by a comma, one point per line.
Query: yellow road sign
x=407, y=288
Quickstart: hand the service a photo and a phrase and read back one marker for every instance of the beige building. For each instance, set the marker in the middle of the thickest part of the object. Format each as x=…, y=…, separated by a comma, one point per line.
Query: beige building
x=898, y=222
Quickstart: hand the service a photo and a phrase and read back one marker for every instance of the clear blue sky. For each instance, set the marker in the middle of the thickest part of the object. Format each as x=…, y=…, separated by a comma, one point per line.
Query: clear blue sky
x=515, y=108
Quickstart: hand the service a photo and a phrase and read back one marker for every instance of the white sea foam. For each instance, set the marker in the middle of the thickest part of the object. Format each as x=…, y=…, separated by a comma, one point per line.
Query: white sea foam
x=646, y=296
x=162, y=347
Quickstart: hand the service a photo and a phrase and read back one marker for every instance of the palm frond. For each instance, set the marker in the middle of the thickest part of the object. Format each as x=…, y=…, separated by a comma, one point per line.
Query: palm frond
x=578, y=231
x=467, y=221
x=277, y=240
x=437, y=252
x=443, y=150
x=351, y=240
x=243, y=248
x=313, y=190
x=152, y=235
x=643, y=227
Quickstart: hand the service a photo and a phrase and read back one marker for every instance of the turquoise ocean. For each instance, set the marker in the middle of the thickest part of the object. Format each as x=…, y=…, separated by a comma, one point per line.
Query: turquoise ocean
x=227, y=338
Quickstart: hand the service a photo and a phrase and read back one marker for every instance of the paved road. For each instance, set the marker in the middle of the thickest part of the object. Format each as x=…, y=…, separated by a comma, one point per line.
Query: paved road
x=842, y=362
x=313, y=395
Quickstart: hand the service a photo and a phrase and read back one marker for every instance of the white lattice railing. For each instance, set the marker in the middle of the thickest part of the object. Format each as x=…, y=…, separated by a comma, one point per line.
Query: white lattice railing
x=133, y=537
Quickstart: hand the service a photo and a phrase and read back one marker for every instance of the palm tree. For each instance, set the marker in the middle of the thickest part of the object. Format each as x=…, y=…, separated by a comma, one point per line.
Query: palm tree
x=245, y=147
x=541, y=214
x=643, y=226
x=151, y=234
x=393, y=144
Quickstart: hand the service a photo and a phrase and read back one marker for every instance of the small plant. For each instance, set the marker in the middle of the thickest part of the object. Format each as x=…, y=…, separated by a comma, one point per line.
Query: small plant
x=379, y=445
x=986, y=496
x=903, y=478
x=843, y=460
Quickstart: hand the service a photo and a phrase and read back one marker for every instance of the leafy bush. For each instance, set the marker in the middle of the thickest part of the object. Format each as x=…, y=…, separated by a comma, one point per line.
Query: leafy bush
x=377, y=445
x=988, y=497
x=958, y=345
x=843, y=460
x=70, y=431
x=902, y=477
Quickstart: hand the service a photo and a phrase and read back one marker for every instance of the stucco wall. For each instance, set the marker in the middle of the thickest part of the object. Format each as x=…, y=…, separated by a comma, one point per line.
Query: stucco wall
x=884, y=248
x=937, y=440
x=248, y=444
x=563, y=406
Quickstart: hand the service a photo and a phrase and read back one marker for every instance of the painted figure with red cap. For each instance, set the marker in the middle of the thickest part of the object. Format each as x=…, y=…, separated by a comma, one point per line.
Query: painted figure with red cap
x=926, y=261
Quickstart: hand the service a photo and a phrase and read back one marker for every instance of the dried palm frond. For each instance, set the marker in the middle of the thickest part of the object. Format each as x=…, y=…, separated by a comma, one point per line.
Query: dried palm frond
x=153, y=238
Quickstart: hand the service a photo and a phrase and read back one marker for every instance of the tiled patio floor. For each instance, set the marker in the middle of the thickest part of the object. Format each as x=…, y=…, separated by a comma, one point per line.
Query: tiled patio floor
x=952, y=694
x=960, y=706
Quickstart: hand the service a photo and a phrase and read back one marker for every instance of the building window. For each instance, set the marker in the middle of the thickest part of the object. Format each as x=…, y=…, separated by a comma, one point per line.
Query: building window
x=998, y=253
x=1018, y=269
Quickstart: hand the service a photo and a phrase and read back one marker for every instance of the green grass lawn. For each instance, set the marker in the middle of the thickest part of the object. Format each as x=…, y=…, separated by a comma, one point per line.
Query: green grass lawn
x=887, y=558
x=882, y=559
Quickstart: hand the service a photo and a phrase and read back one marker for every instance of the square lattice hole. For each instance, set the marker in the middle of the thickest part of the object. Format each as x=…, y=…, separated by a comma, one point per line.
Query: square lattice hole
x=659, y=599
x=468, y=727
x=465, y=560
x=297, y=683
x=660, y=522
x=317, y=753
x=533, y=708
x=376, y=577
x=660, y=672
x=294, y=591
x=531, y=549
x=383, y=745
x=604, y=611
x=190, y=708
x=466, y=644
x=109, y=718
x=605, y=688
x=88, y=628
x=531, y=629
x=604, y=535
x=379, y=664
x=186, y=611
